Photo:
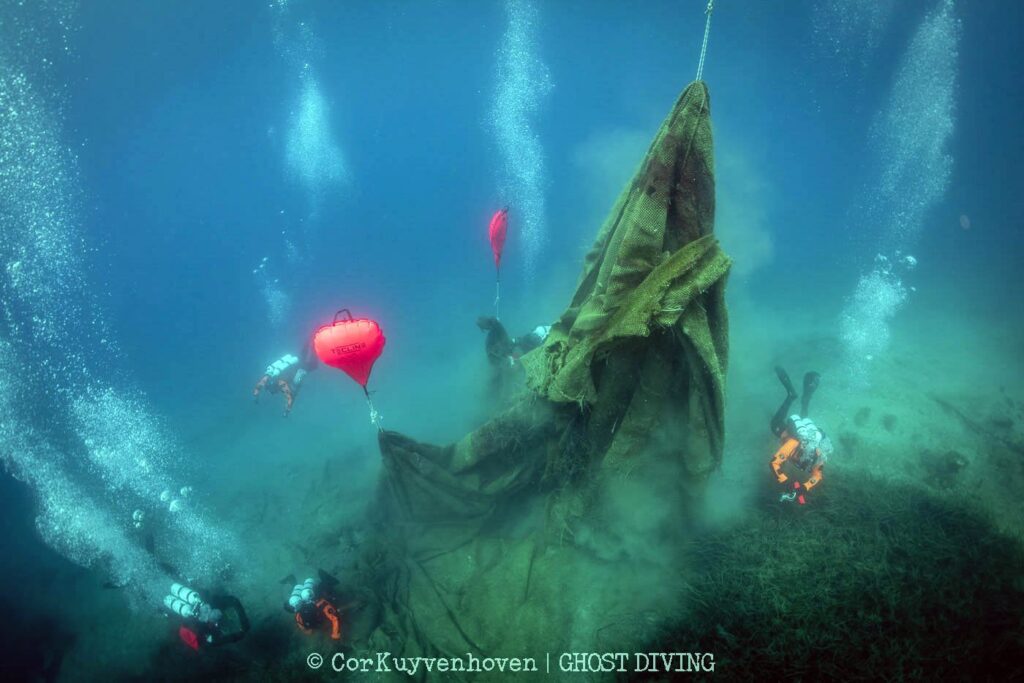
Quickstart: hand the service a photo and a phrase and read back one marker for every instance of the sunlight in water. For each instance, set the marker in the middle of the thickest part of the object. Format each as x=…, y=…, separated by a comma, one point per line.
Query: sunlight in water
x=911, y=138
x=523, y=82
x=312, y=154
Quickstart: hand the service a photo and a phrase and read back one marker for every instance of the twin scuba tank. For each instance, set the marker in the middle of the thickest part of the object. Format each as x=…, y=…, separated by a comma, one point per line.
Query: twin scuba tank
x=303, y=594
x=280, y=365
x=183, y=601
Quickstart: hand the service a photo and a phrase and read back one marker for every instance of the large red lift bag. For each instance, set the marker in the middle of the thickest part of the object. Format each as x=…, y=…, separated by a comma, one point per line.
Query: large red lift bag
x=351, y=345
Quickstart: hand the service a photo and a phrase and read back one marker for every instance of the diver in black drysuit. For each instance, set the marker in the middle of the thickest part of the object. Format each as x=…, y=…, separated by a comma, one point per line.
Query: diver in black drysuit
x=502, y=349
x=203, y=622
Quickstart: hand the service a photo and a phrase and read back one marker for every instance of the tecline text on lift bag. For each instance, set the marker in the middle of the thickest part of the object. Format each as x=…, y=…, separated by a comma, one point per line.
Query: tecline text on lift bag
x=350, y=345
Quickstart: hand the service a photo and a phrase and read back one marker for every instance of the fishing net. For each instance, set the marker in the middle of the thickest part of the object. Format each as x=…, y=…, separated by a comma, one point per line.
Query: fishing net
x=555, y=524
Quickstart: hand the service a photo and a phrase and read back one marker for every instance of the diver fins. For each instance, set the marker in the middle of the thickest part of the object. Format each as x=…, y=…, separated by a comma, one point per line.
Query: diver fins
x=811, y=381
x=289, y=580
x=150, y=545
x=784, y=378
x=326, y=579
x=168, y=568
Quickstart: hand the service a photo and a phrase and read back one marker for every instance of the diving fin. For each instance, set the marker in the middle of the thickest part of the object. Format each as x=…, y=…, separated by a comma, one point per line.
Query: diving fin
x=811, y=381
x=150, y=545
x=326, y=579
x=784, y=378
x=289, y=580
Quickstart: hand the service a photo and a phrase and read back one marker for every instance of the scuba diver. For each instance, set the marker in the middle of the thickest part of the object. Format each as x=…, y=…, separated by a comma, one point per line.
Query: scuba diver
x=801, y=442
x=206, y=622
x=504, y=350
x=285, y=375
x=497, y=344
x=312, y=602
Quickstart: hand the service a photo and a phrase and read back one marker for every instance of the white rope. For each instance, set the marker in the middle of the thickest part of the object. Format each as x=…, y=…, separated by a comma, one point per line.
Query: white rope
x=375, y=417
x=497, y=298
x=707, y=30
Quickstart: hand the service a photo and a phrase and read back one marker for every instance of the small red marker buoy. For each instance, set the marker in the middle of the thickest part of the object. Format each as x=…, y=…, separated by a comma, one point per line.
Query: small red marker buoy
x=351, y=345
x=496, y=232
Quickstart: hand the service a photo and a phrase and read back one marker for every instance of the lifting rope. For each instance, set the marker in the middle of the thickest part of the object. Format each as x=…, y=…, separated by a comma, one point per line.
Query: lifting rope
x=497, y=296
x=375, y=417
x=707, y=29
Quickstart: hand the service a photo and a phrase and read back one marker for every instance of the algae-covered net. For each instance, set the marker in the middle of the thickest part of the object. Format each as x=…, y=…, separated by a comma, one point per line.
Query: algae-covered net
x=555, y=524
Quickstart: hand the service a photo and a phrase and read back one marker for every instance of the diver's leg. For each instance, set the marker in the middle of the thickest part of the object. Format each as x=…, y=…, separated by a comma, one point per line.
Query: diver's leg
x=778, y=423
x=811, y=381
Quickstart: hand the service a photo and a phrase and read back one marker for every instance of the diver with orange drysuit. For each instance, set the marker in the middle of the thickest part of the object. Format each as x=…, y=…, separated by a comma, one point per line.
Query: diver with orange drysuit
x=312, y=605
x=285, y=375
x=803, y=446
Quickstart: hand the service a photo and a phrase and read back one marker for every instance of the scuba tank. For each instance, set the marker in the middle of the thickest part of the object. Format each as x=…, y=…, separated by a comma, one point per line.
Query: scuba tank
x=309, y=587
x=185, y=594
x=302, y=593
x=179, y=607
x=280, y=365
x=295, y=599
